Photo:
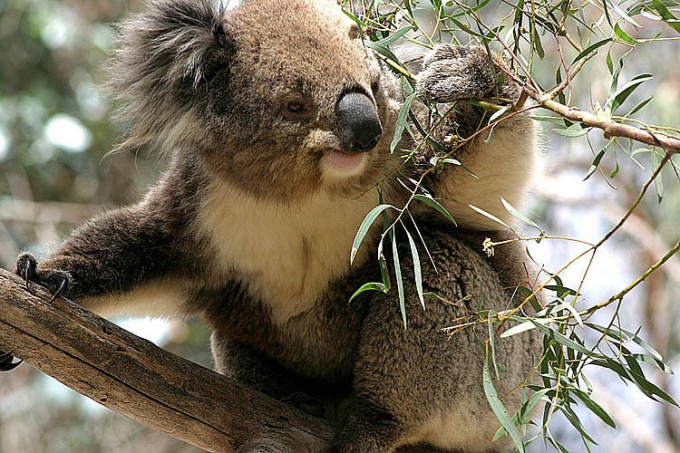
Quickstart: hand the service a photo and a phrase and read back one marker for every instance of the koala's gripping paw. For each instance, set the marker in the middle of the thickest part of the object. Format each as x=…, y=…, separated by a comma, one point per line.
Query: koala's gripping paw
x=305, y=402
x=450, y=73
x=56, y=281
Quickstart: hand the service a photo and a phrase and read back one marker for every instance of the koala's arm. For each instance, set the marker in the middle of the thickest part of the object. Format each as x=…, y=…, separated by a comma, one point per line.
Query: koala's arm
x=503, y=159
x=127, y=260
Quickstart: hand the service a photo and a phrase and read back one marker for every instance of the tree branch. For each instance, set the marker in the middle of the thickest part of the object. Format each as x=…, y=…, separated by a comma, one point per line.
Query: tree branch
x=610, y=127
x=144, y=382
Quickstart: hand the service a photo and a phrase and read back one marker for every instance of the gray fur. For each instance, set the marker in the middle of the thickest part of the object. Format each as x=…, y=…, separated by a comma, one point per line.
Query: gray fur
x=251, y=225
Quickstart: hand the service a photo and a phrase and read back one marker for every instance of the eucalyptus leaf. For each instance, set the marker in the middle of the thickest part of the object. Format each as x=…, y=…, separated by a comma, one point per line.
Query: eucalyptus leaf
x=417, y=271
x=398, y=276
x=370, y=286
x=499, y=408
x=365, y=227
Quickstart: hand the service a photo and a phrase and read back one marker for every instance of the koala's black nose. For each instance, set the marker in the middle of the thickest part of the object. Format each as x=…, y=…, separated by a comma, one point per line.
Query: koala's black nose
x=359, y=126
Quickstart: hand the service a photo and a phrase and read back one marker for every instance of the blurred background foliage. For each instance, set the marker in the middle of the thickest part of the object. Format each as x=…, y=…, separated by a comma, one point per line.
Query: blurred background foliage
x=55, y=134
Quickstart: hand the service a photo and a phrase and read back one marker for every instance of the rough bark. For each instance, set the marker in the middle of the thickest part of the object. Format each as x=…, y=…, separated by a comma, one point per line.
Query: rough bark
x=144, y=382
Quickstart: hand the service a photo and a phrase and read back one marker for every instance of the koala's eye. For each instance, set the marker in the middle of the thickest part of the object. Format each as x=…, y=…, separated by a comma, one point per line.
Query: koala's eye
x=299, y=108
x=295, y=107
x=375, y=86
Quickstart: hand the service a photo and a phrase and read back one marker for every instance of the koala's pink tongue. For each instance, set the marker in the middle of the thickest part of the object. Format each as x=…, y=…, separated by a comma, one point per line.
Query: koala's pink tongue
x=345, y=161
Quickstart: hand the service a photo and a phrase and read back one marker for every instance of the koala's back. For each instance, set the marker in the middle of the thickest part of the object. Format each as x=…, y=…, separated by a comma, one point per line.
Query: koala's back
x=432, y=380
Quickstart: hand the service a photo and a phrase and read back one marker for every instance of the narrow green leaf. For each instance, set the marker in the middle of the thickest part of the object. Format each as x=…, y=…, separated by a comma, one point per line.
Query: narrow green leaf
x=370, y=286
x=393, y=37
x=402, y=121
x=573, y=131
x=524, y=327
x=640, y=382
x=560, y=290
x=590, y=49
x=422, y=241
x=561, y=339
x=667, y=16
x=593, y=406
x=498, y=113
x=646, y=358
x=365, y=227
x=658, y=181
x=621, y=94
x=606, y=12
x=398, y=276
x=498, y=407
x=572, y=417
x=623, y=35
x=639, y=105
x=625, y=16
x=492, y=341
x=430, y=201
x=571, y=310
x=615, y=171
x=594, y=165
x=490, y=216
x=418, y=275
x=521, y=216
x=625, y=336
x=384, y=272
x=637, y=7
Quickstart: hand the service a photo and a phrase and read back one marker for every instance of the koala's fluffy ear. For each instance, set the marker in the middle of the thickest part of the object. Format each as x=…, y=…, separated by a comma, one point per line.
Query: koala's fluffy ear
x=163, y=62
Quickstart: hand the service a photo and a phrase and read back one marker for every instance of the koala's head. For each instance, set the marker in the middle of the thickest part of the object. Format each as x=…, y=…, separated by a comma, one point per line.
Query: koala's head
x=279, y=97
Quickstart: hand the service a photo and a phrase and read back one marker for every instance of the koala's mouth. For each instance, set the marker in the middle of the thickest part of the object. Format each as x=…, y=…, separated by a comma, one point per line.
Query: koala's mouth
x=347, y=164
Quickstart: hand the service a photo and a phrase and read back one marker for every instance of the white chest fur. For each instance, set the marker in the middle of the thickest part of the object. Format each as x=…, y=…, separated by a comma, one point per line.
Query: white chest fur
x=287, y=254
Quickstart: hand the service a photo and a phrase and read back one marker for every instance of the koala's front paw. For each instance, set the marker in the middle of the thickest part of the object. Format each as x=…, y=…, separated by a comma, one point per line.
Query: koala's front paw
x=450, y=73
x=56, y=281
x=307, y=403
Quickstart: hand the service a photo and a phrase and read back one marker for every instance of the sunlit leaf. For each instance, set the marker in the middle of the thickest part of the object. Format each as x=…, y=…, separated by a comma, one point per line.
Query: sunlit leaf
x=490, y=216
x=623, y=35
x=521, y=216
x=417, y=271
x=365, y=227
x=398, y=276
x=428, y=200
x=370, y=286
x=560, y=338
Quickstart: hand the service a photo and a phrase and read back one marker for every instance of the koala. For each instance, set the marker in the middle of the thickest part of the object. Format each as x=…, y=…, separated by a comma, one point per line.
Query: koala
x=277, y=123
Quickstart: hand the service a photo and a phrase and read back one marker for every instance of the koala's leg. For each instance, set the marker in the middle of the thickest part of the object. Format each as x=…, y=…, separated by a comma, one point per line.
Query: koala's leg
x=250, y=367
x=415, y=385
x=120, y=262
x=503, y=158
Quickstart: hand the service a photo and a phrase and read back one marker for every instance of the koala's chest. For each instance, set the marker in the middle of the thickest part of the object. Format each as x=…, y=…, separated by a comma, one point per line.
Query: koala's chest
x=285, y=256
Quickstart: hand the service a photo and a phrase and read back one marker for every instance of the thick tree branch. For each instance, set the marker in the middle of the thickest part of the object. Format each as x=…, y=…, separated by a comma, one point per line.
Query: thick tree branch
x=142, y=381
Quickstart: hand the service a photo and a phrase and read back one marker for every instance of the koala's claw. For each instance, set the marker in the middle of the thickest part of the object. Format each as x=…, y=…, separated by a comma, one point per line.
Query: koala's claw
x=56, y=281
x=7, y=362
x=26, y=267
